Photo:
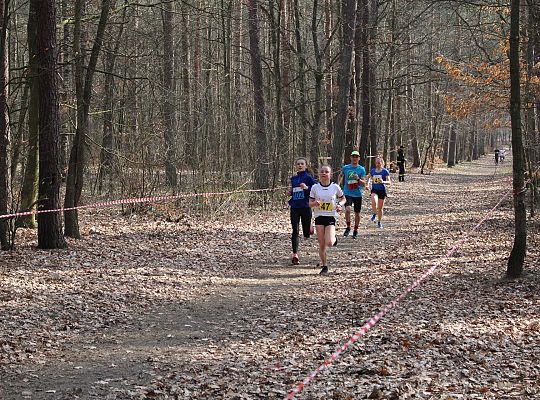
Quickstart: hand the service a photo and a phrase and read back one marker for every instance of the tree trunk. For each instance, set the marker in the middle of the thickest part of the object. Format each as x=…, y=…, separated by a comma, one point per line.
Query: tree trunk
x=366, y=87
x=29, y=191
x=280, y=143
x=75, y=177
x=517, y=255
x=318, y=99
x=226, y=32
x=329, y=77
x=344, y=82
x=5, y=180
x=302, y=109
x=109, y=102
x=18, y=138
x=185, y=92
x=42, y=12
x=452, y=146
x=285, y=8
x=67, y=115
x=169, y=116
x=261, y=170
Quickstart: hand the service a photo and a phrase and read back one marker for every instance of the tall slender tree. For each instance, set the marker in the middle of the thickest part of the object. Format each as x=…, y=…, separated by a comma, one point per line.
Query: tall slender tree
x=29, y=191
x=168, y=113
x=262, y=168
x=517, y=255
x=83, y=86
x=43, y=14
x=4, y=127
x=348, y=21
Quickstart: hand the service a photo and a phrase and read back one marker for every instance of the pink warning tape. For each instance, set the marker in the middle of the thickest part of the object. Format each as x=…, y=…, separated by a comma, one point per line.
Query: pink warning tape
x=385, y=309
x=152, y=199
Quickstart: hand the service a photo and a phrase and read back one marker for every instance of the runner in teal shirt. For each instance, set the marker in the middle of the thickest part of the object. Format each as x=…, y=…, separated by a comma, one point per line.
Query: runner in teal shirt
x=351, y=179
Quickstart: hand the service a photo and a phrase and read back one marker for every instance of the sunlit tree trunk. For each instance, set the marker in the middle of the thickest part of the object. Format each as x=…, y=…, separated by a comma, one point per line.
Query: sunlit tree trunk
x=168, y=104
x=329, y=76
x=83, y=82
x=318, y=99
x=261, y=171
x=344, y=81
x=5, y=180
x=285, y=9
x=302, y=106
x=226, y=33
x=106, y=159
x=365, y=84
x=29, y=191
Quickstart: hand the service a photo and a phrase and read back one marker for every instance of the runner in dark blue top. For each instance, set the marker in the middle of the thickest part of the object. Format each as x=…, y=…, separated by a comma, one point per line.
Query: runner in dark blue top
x=380, y=177
x=299, y=189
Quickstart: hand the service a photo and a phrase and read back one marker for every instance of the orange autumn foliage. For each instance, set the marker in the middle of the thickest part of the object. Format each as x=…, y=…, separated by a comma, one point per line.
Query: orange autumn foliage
x=482, y=87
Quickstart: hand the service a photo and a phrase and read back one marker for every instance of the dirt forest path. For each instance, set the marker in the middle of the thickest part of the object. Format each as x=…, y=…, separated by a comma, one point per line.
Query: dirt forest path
x=143, y=308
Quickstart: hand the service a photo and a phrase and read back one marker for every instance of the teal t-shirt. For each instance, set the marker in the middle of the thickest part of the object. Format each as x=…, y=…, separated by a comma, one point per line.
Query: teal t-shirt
x=351, y=185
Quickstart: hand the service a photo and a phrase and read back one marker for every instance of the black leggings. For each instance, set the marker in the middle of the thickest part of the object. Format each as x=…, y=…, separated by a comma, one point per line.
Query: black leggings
x=297, y=214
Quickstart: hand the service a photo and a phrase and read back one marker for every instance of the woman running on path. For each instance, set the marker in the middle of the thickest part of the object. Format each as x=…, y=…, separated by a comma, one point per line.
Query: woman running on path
x=299, y=189
x=380, y=177
x=327, y=199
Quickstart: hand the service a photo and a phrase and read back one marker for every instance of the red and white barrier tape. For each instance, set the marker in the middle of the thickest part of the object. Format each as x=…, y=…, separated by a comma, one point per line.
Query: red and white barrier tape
x=374, y=319
x=152, y=199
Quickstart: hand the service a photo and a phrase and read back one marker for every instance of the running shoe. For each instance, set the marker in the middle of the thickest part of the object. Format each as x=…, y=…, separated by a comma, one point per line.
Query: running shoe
x=355, y=234
x=373, y=216
x=295, y=260
x=335, y=243
x=379, y=224
x=346, y=231
x=324, y=270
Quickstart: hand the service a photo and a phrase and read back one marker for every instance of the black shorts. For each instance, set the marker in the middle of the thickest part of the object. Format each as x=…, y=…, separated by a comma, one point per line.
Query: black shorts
x=357, y=201
x=381, y=194
x=325, y=221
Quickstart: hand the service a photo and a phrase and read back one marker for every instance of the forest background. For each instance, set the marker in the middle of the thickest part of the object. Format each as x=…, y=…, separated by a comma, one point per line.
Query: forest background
x=121, y=99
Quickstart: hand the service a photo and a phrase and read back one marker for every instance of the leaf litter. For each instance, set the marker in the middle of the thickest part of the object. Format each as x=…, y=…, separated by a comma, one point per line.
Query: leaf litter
x=150, y=307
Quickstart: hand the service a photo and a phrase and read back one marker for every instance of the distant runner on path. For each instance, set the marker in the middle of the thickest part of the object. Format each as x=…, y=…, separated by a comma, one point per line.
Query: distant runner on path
x=351, y=179
x=299, y=190
x=327, y=199
x=497, y=152
x=380, y=177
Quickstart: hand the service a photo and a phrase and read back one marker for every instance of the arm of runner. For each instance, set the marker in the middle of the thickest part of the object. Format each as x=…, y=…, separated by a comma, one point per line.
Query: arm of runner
x=313, y=203
x=340, y=179
x=363, y=181
x=341, y=202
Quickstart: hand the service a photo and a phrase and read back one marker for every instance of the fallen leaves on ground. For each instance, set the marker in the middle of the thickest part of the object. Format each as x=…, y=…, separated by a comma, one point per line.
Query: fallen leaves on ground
x=148, y=307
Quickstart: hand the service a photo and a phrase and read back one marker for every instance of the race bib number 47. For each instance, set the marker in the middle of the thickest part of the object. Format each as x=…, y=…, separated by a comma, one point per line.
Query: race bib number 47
x=326, y=206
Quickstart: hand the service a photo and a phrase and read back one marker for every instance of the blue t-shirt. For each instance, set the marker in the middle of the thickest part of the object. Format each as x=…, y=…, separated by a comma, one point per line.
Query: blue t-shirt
x=351, y=185
x=378, y=178
x=300, y=197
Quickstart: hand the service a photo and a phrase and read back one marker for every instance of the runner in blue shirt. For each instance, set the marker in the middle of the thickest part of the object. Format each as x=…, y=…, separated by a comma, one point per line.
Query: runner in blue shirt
x=351, y=179
x=380, y=178
x=299, y=189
